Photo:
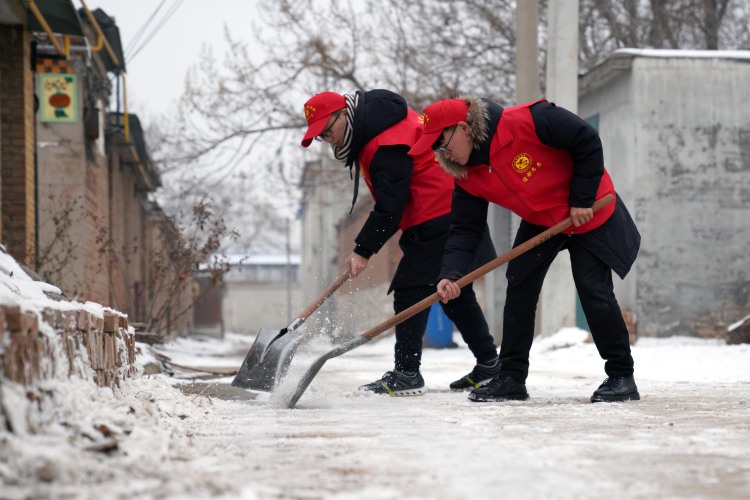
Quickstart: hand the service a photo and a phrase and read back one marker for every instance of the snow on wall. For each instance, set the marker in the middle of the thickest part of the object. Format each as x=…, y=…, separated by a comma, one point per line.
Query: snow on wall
x=43, y=339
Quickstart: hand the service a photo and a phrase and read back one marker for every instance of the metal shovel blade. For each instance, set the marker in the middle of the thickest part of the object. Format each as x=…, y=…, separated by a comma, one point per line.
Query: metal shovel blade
x=290, y=400
x=268, y=359
x=271, y=353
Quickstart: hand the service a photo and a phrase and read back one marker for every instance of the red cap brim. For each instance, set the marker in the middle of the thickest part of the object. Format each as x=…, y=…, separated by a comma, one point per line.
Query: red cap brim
x=424, y=143
x=315, y=129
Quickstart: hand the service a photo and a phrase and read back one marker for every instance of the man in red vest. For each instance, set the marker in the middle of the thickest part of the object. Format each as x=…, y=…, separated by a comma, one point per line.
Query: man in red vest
x=371, y=133
x=544, y=163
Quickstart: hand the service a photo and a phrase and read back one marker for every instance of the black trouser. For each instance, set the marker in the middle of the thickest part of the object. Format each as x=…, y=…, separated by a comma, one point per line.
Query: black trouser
x=463, y=311
x=593, y=280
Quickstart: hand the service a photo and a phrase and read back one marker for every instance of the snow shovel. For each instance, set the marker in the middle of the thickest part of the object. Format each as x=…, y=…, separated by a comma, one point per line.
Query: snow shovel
x=290, y=399
x=272, y=351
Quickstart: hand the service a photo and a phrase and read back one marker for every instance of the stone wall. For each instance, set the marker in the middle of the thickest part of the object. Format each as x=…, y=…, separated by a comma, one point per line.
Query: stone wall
x=65, y=343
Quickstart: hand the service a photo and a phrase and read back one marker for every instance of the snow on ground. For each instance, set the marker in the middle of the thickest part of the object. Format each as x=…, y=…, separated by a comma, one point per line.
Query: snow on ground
x=688, y=437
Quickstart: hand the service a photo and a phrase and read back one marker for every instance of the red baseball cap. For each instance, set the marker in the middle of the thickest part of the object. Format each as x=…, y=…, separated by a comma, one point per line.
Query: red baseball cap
x=436, y=117
x=317, y=110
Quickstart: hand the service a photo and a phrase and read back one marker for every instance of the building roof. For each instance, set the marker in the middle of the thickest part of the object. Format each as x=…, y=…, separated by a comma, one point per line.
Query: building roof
x=688, y=54
x=149, y=177
x=622, y=59
x=60, y=16
x=261, y=259
x=112, y=34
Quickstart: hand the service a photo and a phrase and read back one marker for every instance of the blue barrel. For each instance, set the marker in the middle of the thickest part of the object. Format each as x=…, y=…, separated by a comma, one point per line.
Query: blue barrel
x=439, y=332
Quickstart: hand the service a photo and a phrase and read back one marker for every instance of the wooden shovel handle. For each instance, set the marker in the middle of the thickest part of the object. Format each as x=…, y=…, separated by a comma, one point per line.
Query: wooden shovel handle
x=481, y=271
x=302, y=316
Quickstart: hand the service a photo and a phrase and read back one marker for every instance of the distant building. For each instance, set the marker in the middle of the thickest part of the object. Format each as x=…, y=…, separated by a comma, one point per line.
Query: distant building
x=328, y=232
x=676, y=132
x=260, y=291
x=76, y=181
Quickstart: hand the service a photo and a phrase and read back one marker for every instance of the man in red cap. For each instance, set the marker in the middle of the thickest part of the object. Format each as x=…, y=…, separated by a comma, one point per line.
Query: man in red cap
x=371, y=132
x=544, y=163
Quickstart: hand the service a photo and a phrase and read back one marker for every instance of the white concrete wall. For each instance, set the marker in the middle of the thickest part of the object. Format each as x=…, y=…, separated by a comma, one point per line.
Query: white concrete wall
x=242, y=312
x=676, y=135
x=326, y=201
x=613, y=104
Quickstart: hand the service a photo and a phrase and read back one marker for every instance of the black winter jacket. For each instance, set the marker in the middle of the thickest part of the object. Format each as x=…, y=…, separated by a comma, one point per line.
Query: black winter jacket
x=616, y=242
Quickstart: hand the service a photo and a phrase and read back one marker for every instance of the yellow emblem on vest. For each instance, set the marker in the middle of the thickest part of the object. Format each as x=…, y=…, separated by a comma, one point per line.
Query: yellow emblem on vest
x=521, y=163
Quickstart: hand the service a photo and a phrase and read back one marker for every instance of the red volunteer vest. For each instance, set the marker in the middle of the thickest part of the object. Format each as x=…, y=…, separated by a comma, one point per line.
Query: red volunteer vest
x=431, y=189
x=528, y=177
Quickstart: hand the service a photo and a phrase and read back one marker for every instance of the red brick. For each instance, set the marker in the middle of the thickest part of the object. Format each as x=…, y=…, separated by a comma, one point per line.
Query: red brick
x=84, y=320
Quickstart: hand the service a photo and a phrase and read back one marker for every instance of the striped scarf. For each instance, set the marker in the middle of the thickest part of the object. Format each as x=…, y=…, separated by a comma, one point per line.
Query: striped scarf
x=342, y=153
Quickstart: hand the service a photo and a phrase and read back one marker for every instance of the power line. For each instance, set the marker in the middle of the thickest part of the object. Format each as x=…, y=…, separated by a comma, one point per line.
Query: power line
x=156, y=29
x=141, y=30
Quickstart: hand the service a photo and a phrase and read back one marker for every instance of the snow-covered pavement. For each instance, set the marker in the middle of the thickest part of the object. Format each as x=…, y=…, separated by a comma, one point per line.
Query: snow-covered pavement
x=688, y=437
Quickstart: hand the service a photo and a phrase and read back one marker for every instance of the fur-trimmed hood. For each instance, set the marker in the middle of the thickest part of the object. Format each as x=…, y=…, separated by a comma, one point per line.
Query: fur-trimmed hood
x=478, y=119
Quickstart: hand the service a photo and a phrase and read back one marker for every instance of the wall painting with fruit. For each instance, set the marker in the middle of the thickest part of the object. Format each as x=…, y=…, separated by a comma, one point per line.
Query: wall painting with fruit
x=58, y=98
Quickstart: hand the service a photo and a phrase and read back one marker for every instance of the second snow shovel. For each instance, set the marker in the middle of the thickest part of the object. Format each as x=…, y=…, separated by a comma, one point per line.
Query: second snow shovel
x=272, y=351
x=289, y=399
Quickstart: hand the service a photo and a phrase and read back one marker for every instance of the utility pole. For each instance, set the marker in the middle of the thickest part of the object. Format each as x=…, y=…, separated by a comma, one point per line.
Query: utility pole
x=562, y=54
x=557, y=305
x=527, y=51
x=503, y=223
x=288, y=273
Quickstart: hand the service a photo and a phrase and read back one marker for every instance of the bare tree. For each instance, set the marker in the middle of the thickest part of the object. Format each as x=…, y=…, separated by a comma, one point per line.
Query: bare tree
x=57, y=254
x=237, y=131
x=180, y=253
x=662, y=24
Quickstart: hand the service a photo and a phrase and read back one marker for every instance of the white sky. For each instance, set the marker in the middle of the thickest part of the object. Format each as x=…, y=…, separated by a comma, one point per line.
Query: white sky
x=156, y=75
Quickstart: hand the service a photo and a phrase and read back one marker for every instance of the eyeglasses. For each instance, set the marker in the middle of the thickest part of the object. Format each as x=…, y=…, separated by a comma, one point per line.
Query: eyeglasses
x=444, y=148
x=328, y=132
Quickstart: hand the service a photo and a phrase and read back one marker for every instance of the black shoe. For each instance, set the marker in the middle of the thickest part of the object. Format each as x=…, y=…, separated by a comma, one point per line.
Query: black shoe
x=397, y=384
x=616, y=388
x=479, y=376
x=501, y=388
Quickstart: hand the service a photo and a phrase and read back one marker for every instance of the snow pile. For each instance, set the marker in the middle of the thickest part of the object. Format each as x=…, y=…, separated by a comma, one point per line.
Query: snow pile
x=17, y=287
x=55, y=407
x=149, y=439
x=77, y=425
x=152, y=438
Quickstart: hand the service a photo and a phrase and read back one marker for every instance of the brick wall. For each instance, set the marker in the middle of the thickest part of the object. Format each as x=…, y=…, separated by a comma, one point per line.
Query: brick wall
x=167, y=289
x=63, y=204
x=94, y=227
x=73, y=178
x=138, y=249
x=17, y=149
x=96, y=230
x=28, y=356
x=127, y=256
x=119, y=293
